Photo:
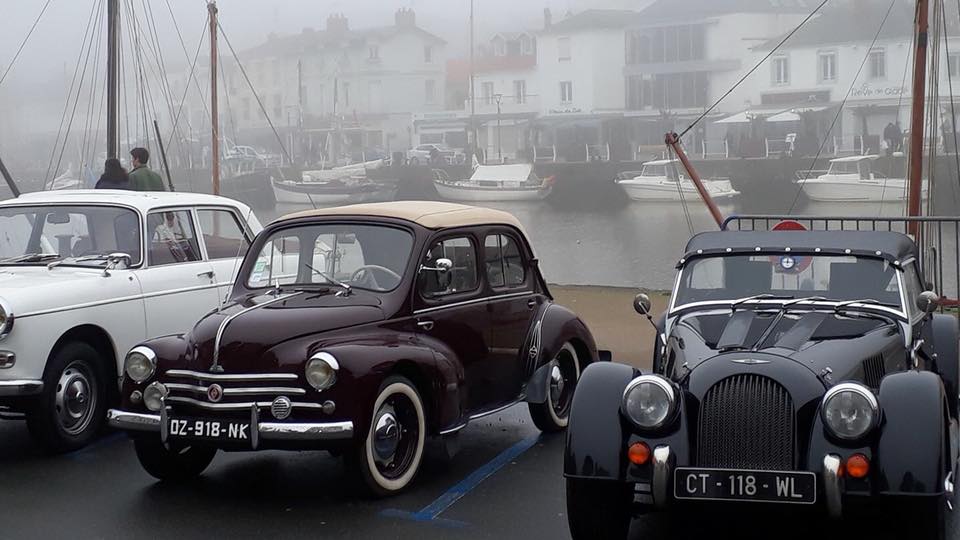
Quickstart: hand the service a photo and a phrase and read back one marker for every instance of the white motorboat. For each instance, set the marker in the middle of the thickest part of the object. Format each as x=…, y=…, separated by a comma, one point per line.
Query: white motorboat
x=334, y=186
x=852, y=179
x=660, y=181
x=515, y=182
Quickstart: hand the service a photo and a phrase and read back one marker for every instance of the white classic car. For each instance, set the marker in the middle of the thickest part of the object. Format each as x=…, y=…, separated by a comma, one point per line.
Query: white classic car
x=84, y=276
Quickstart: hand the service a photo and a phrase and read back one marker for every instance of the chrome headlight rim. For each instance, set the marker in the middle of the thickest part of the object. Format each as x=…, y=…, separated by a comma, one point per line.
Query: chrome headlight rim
x=331, y=362
x=663, y=384
x=149, y=355
x=6, y=319
x=861, y=391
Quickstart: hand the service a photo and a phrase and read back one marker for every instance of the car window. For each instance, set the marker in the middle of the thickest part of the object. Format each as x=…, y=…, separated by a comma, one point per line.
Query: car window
x=504, y=261
x=460, y=279
x=222, y=234
x=172, y=238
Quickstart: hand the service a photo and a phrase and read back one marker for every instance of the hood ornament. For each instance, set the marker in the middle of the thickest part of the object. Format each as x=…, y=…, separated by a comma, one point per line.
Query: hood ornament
x=750, y=361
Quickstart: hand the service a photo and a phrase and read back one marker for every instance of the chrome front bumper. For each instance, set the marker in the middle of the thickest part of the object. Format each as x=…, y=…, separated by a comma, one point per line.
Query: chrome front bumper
x=20, y=388
x=265, y=431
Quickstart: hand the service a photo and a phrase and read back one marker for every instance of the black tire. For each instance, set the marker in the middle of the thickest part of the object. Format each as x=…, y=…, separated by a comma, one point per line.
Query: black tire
x=598, y=509
x=388, y=468
x=174, y=465
x=71, y=411
x=553, y=415
x=929, y=518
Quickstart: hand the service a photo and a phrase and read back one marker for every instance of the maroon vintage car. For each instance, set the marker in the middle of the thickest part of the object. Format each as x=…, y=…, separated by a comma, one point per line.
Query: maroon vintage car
x=361, y=330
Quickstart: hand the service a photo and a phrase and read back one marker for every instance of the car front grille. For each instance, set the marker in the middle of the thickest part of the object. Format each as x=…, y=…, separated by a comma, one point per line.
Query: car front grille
x=874, y=371
x=239, y=392
x=746, y=422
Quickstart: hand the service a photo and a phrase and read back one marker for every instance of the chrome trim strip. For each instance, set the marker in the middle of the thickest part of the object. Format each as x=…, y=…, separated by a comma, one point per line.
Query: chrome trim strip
x=237, y=406
x=819, y=304
x=276, y=431
x=217, y=377
x=480, y=415
x=831, y=485
x=262, y=391
x=20, y=388
x=473, y=301
x=662, y=471
x=133, y=421
x=231, y=318
x=120, y=300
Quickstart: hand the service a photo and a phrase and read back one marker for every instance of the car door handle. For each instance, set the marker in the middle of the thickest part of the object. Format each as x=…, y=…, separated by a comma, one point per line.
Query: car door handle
x=426, y=325
x=207, y=274
x=532, y=303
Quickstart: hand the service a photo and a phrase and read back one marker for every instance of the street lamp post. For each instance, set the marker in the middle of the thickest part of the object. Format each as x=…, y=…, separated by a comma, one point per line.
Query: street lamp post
x=499, y=98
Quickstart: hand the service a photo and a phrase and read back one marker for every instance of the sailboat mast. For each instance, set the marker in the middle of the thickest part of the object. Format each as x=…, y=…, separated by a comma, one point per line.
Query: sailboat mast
x=214, y=112
x=916, y=121
x=113, y=86
x=473, y=77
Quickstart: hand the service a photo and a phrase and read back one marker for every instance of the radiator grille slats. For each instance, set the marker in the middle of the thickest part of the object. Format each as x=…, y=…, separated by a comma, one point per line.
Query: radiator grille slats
x=747, y=422
x=873, y=371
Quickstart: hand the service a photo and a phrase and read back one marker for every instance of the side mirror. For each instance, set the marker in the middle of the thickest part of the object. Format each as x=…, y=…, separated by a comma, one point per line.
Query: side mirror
x=642, y=304
x=442, y=266
x=928, y=302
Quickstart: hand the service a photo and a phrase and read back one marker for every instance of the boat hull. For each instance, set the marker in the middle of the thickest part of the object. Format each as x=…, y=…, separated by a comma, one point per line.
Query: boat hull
x=655, y=191
x=857, y=190
x=304, y=193
x=456, y=192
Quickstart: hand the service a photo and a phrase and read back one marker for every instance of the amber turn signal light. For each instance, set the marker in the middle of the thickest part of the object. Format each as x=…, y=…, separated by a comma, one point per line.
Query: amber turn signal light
x=858, y=466
x=639, y=453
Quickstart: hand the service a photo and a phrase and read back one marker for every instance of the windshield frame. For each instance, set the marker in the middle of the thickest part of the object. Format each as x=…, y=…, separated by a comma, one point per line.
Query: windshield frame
x=901, y=311
x=115, y=205
x=242, y=282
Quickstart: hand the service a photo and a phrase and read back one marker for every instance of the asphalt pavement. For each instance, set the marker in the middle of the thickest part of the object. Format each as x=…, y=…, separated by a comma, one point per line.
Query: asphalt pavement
x=505, y=483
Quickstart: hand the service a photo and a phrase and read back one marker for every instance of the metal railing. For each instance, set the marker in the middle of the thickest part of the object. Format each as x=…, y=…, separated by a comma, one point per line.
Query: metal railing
x=718, y=148
x=545, y=154
x=937, y=236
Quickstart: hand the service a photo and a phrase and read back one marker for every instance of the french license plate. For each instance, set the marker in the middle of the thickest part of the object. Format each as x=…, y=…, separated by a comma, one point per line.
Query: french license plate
x=751, y=486
x=209, y=430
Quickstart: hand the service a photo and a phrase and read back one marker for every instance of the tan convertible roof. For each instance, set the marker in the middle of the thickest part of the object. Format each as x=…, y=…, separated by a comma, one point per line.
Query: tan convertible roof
x=432, y=215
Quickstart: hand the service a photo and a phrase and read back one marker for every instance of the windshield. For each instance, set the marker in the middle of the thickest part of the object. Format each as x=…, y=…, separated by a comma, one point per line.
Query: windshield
x=831, y=277
x=371, y=257
x=43, y=234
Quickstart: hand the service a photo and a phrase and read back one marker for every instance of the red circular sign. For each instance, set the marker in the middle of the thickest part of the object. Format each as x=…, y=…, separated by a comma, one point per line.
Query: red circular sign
x=789, y=225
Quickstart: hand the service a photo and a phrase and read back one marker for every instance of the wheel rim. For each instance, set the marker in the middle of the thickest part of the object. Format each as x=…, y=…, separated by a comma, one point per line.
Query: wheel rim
x=76, y=398
x=396, y=436
x=563, y=381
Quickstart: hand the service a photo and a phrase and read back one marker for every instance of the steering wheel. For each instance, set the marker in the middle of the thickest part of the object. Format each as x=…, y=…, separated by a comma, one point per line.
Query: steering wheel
x=362, y=274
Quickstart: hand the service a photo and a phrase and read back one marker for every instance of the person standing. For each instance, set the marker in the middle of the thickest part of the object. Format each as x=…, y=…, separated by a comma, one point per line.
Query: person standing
x=141, y=177
x=114, y=176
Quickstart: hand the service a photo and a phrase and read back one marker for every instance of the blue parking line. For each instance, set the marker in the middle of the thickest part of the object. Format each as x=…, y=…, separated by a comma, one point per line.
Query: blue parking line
x=431, y=512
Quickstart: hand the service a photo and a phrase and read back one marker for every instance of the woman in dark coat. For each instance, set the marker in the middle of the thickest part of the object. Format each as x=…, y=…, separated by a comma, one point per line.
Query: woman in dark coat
x=114, y=176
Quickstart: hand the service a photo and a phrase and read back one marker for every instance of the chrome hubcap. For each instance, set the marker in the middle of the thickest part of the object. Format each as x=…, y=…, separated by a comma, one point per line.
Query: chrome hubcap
x=76, y=399
x=386, y=436
x=556, y=385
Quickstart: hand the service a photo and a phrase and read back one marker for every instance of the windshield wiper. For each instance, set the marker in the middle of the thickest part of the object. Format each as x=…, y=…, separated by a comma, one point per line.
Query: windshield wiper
x=85, y=258
x=30, y=258
x=766, y=296
x=347, y=289
x=870, y=301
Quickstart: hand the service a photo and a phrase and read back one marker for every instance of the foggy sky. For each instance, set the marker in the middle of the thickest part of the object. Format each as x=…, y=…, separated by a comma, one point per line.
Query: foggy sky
x=57, y=39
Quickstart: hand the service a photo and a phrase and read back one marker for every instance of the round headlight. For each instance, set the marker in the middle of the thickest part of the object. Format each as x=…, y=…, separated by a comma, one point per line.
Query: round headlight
x=649, y=401
x=322, y=370
x=6, y=319
x=154, y=395
x=140, y=364
x=850, y=411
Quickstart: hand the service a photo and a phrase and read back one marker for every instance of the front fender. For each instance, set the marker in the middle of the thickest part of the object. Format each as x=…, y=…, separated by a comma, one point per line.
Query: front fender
x=912, y=449
x=595, y=436
x=555, y=327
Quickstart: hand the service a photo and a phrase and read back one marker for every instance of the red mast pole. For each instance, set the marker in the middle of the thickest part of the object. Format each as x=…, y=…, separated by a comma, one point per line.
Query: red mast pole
x=214, y=110
x=916, y=121
x=673, y=141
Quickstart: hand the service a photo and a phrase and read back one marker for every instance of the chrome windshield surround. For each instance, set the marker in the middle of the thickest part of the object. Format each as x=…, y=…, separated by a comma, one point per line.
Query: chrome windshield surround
x=795, y=306
x=661, y=383
x=860, y=390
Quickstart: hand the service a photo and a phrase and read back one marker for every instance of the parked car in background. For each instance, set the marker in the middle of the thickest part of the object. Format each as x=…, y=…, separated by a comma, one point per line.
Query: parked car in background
x=434, y=154
x=84, y=275
x=793, y=368
x=361, y=330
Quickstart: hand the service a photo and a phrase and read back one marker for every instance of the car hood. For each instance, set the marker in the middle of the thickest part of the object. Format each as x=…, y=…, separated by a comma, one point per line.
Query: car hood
x=237, y=337
x=29, y=289
x=820, y=341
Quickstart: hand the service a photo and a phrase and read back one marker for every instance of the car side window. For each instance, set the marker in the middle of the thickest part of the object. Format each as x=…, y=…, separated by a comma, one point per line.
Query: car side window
x=222, y=234
x=912, y=286
x=504, y=261
x=461, y=278
x=172, y=237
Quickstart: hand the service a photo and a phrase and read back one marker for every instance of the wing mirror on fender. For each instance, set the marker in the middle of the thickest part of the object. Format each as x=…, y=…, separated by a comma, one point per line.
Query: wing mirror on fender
x=928, y=302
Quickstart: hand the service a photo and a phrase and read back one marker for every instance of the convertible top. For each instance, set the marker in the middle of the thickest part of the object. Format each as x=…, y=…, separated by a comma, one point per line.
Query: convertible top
x=893, y=246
